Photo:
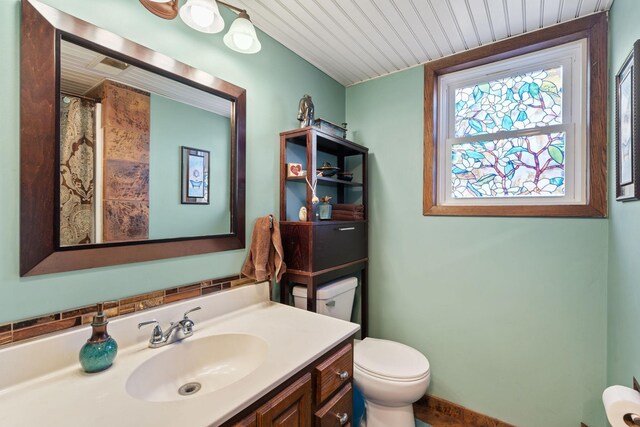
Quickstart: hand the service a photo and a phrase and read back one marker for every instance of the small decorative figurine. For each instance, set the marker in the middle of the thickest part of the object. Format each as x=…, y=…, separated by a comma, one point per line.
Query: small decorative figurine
x=305, y=111
x=302, y=215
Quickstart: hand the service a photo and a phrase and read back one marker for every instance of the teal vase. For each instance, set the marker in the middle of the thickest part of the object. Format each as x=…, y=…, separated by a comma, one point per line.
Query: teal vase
x=324, y=210
x=98, y=356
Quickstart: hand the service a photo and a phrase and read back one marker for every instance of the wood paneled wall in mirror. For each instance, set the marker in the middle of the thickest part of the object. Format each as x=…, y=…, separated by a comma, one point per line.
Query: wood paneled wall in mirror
x=105, y=125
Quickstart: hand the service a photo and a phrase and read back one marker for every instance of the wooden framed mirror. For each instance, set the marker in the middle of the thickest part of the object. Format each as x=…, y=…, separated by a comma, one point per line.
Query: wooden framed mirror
x=72, y=214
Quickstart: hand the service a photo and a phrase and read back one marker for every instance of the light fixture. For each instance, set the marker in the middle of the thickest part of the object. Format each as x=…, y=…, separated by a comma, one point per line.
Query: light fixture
x=204, y=16
x=241, y=36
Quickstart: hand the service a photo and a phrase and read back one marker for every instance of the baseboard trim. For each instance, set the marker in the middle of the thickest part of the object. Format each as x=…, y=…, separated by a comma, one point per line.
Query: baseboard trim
x=430, y=409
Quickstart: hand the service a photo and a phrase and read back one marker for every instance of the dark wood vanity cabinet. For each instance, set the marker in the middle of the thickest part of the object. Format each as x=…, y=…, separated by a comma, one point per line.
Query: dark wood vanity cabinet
x=320, y=395
x=249, y=421
x=317, y=251
x=292, y=407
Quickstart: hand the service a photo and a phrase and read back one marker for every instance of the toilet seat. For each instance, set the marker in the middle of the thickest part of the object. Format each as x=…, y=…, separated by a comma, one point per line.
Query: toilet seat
x=388, y=378
x=389, y=360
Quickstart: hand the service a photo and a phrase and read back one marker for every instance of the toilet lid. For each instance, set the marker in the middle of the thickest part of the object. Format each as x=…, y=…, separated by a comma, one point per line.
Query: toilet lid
x=390, y=359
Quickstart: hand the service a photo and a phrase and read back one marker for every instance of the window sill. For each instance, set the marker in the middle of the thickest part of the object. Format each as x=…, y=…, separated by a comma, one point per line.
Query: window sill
x=584, y=211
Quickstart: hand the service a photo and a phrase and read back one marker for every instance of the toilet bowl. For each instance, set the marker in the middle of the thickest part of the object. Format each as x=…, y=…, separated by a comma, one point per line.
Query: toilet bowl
x=390, y=375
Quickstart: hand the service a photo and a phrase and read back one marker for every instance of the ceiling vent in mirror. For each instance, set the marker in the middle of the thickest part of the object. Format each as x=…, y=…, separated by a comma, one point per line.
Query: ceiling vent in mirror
x=108, y=65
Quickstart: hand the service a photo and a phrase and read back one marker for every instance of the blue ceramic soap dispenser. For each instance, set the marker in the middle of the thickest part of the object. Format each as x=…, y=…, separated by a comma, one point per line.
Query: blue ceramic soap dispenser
x=99, y=351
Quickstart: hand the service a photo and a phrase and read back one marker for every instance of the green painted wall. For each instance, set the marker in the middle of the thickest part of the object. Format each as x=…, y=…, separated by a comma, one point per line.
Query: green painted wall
x=174, y=125
x=623, y=359
x=511, y=312
x=275, y=80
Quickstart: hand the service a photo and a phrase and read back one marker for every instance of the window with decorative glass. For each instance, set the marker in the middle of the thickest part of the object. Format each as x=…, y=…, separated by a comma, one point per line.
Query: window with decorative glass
x=518, y=127
x=514, y=131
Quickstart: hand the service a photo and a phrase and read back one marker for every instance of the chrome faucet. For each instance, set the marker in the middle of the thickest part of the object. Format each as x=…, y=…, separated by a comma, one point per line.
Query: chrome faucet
x=177, y=331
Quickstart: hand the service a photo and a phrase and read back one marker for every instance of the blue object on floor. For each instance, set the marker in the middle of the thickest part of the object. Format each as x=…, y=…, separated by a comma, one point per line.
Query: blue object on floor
x=358, y=409
x=358, y=406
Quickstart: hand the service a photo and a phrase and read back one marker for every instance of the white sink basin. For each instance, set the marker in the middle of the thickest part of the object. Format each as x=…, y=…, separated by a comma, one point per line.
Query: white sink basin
x=195, y=367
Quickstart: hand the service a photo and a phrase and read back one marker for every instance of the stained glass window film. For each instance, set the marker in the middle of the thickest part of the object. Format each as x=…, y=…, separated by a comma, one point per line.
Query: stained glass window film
x=510, y=167
x=510, y=133
x=523, y=101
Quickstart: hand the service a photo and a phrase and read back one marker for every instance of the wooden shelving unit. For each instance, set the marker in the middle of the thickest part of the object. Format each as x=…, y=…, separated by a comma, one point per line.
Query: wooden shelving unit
x=318, y=251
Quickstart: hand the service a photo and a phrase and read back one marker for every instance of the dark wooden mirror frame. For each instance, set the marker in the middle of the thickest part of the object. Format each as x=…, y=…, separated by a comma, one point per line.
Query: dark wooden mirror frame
x=40, y=253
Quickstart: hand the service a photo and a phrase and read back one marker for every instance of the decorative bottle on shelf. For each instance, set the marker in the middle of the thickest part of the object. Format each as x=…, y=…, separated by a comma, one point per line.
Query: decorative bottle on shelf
x=324, y=208
x=98, y=352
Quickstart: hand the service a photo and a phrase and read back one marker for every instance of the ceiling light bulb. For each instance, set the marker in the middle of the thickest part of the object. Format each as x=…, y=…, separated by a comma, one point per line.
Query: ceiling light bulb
x=242, y=35
x=202, y=15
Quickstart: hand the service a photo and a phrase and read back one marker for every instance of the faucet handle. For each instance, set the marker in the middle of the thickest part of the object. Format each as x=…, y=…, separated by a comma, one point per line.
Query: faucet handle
x=190, y=311
x=156, y=335
x=187, y=324
x=149, y=322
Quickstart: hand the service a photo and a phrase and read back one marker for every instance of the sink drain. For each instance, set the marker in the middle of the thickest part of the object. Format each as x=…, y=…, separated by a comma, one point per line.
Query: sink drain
x=189, y=388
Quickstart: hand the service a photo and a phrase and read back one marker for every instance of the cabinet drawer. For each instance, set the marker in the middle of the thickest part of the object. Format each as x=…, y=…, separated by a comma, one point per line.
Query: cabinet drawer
x=333, y=373
x=338, y=243
x=338, y=411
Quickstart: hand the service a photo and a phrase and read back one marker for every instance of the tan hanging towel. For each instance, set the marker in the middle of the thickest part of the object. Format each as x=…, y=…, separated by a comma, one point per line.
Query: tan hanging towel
x=265, y=259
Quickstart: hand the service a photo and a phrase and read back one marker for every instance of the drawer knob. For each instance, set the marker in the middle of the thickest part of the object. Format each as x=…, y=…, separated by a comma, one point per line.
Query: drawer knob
x=343, y=418
x=343, y=375
x=346, y=228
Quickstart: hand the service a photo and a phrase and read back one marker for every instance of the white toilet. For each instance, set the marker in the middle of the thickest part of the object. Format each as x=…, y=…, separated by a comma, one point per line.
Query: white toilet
x=390, y=375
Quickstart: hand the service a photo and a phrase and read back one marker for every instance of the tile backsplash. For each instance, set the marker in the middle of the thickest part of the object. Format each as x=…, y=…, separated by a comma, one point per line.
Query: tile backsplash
x=53, y=322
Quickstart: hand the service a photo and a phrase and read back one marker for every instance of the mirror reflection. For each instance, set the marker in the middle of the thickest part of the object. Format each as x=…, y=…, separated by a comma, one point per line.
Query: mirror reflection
x=142, y=157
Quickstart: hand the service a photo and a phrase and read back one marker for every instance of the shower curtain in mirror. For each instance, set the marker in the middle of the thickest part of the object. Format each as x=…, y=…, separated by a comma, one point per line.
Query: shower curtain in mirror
x=77, y=146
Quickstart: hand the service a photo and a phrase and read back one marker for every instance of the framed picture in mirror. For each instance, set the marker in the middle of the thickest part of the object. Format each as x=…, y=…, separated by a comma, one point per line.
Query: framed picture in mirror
x=195, y=176
x=627, y=139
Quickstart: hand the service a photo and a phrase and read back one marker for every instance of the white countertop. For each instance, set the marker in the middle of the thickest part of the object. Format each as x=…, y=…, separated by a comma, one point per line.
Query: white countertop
x=38, y=388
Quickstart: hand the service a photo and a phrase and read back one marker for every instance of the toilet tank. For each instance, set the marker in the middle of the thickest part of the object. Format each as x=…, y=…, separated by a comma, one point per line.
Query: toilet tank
x=333, y=299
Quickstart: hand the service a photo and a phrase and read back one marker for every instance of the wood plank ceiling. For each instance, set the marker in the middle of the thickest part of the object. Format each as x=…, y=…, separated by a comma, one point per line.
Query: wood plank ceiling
x=356, y=40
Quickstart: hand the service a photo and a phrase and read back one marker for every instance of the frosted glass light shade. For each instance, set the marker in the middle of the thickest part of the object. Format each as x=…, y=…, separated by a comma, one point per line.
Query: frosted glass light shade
x=242, y=36
x=202, y=15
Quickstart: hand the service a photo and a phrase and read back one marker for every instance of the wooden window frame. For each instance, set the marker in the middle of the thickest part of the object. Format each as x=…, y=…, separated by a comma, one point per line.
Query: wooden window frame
x=593, y=28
